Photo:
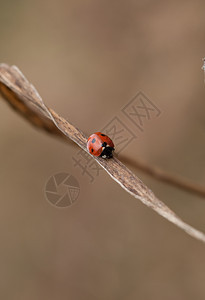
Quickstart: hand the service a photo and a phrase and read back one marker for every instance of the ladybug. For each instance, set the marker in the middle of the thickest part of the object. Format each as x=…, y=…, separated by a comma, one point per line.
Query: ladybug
x=101, y=145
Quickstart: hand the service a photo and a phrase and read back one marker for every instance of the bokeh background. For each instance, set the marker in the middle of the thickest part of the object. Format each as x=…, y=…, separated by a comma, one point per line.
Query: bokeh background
x=87, y=59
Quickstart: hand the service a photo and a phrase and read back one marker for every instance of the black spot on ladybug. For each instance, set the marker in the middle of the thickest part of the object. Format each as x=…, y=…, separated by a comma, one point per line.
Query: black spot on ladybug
x=92, y=150
x=102, y=134
x=104, y=144
x=94, y=140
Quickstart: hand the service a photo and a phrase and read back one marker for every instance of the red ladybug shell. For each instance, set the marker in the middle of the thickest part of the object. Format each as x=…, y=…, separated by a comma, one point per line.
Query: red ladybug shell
x=100, y=144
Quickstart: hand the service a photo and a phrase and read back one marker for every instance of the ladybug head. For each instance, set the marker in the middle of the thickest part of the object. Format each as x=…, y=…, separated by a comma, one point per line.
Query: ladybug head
x=107, y=151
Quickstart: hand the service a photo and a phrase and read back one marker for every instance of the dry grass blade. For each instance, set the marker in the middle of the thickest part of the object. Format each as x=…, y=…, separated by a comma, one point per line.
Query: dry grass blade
x=161, y=175
x=33, y=112
x=25, y=99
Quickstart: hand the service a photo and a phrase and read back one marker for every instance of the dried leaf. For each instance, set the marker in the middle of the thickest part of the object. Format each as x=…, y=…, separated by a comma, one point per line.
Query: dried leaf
x=24, y=98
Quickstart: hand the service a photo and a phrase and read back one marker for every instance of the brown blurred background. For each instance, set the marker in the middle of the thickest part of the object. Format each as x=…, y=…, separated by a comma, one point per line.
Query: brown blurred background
x=87, y=59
